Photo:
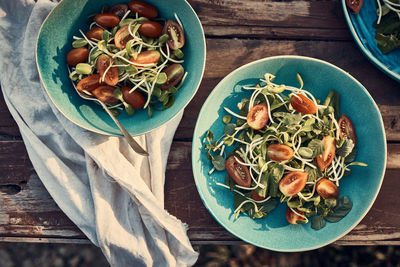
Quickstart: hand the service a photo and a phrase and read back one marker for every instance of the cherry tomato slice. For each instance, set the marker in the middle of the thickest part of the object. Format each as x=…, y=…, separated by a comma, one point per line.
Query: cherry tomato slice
x=258, y=117
x=122, y=36
x=174, y=74
x=150, y=29
x=354, y=5
x=111, y=77
x=293, y=182
x=303, y=104
x=176, y=36
x=292, y=217
x=119, y=10
x=278, y=152
x=107, y=19
x=146, y=57
x=239, y=173
x=327, y=189
x=95, y=33
x=77, y=55
x=89, y=83
x=256, y=196
x=143, y=9
x=326, y=158
x=135, y=99
x=346, y=129
x=105, y=93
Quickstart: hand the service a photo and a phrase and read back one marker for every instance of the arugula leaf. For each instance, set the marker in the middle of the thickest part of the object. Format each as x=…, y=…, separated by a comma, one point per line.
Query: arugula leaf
x=218, y=162
x=270, y=205
x=343, y=207
x=238, y=199
x=346, y=148
x=317, y=146
x=229, y=182
x=229, y=129
x=351, y=157
x=318, y=222
x=313, y=174
x=274, y=176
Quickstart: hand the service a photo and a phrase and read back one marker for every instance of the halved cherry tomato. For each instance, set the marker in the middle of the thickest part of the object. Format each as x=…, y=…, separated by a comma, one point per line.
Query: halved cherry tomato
x=122, y=37
x=174, y=74
x=239, y=173
x=105, y=93
x=107, y=19
x=354, y=5
x=95, y=33
x=111, y=77
x=293, y=182
x=346, y=129
x=150, y=28
x=303, y=104
x=143, y=9
x=256, y=196
x=77, y=55
x=89, y=83
x=146, y=57
x=326, y=158
x=292, y=217
x=135, y=99
x=176, y=36
x=258, y=117
x=326, y=189
x=119, y=10
x=278, y=152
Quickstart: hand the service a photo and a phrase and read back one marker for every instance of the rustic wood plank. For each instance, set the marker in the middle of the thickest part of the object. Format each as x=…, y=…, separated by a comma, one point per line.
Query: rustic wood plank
x=272, y=19
x=31, y=214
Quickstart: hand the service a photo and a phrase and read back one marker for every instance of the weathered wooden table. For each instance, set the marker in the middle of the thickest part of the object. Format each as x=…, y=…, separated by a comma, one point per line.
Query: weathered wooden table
x=237, y=32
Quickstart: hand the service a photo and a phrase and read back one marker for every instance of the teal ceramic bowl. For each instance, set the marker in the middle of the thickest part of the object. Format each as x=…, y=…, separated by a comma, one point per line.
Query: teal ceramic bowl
x=360, y=26
x=54, y=42
x=362, y=186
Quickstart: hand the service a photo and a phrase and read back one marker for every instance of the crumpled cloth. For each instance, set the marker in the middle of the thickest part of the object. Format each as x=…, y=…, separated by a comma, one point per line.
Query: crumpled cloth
x=115, y=196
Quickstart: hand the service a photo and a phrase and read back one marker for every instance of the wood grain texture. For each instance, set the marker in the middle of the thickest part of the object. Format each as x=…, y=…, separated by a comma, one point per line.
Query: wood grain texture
x=272, y=19
x=31, y=213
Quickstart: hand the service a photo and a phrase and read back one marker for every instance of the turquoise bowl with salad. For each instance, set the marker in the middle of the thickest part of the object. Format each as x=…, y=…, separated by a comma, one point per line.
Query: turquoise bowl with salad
x=144, y=59
x=362, y=21
x=282, y=155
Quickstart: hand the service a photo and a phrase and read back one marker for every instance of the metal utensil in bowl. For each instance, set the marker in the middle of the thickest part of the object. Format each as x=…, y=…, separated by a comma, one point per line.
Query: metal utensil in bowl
x=135, y=146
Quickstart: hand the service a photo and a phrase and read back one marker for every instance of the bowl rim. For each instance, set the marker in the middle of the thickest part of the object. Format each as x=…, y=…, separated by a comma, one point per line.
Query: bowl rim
x=301, y=58
x=371, y=57
x=99, y=131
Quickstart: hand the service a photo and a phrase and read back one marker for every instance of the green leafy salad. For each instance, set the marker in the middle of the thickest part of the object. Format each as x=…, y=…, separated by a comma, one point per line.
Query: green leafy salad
x=288, y=147
x=129, y=58
x=387, y=25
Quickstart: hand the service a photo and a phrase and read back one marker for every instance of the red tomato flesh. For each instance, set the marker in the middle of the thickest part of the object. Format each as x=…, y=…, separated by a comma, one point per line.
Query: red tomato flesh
x=258, y=117
x=346, y=129
x=303, y=104
x=278, y=152
x=105, y=93
x=292, y=183
x=122, y=36
x=327, y=189
x=89, y=83
x=326, y=158
x=146, y=57
x=239, y=173
x=292, y=217
x=111, y=77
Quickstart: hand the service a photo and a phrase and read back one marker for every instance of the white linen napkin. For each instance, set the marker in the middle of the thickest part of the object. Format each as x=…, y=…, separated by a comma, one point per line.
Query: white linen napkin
x=115, y=196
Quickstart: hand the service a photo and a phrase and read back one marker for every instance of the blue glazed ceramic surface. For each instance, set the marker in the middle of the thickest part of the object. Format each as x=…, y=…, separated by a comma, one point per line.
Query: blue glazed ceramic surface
x=55, y=40
x=360, y=26
x=361, y=187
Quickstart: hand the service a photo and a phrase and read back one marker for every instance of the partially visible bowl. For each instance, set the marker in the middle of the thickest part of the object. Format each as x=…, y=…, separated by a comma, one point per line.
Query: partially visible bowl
x=362, y=186
x=360, y=26
x=54, y=42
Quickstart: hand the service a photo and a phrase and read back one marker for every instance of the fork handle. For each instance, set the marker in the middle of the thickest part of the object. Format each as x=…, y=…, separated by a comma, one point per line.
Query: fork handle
x=135, y=146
